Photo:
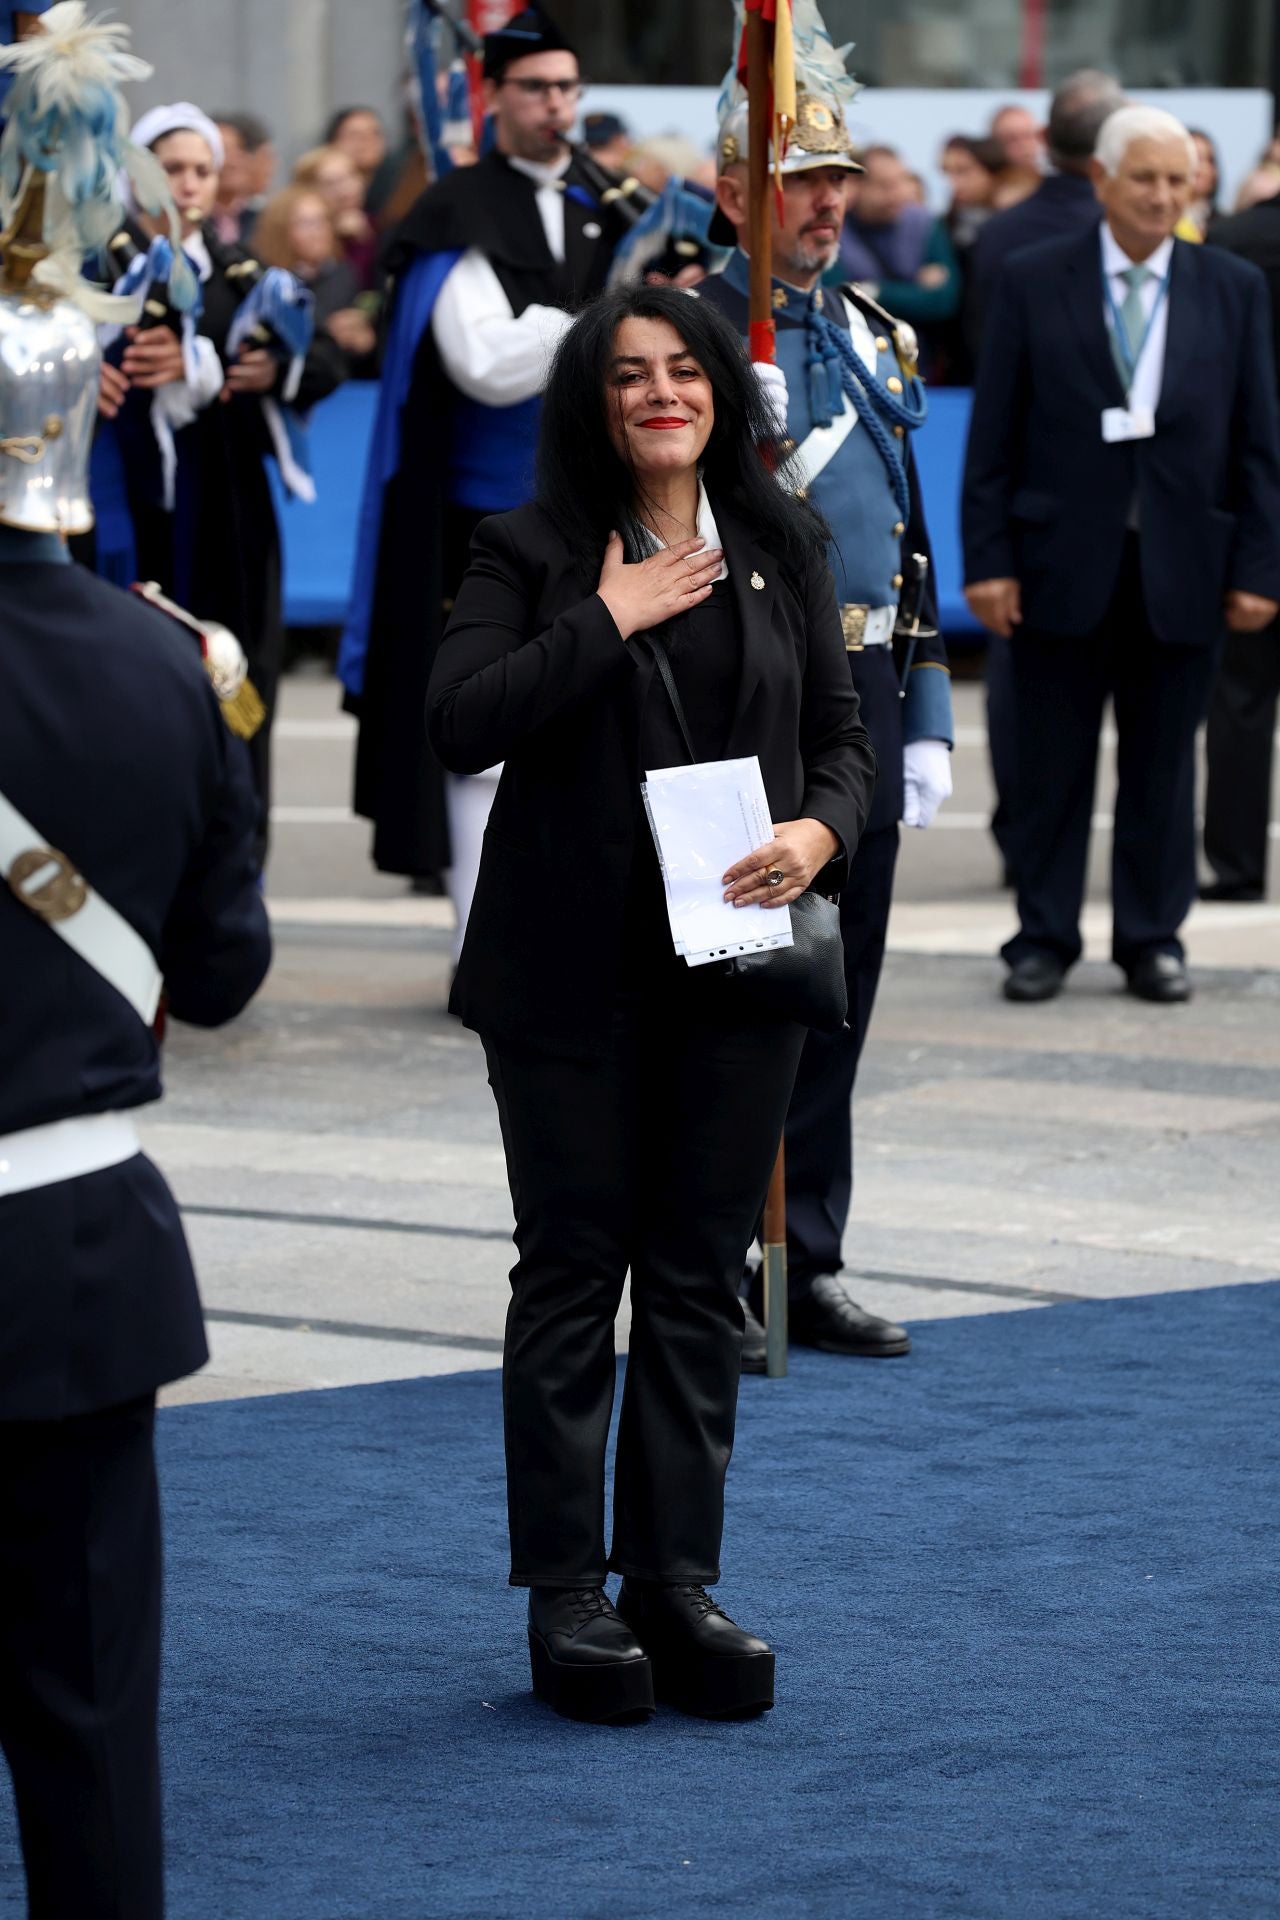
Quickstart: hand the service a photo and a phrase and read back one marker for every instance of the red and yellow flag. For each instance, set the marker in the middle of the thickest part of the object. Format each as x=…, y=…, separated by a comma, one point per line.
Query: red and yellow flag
x=782, y=73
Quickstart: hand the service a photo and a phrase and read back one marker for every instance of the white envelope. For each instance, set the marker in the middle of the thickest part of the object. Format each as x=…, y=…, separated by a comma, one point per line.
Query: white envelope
x=704, y=819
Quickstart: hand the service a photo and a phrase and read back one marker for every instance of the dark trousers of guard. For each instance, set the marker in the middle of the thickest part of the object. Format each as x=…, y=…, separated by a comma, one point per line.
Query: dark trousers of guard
x=655, y=1156
x=1238, y=744
x=80, y=1660
x=819, y=1134
x=1002, y=748
x=1060, y=687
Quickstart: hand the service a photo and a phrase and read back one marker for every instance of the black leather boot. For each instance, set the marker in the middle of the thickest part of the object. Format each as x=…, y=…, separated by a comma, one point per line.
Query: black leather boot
x=702, y=1662
x=586, y=1662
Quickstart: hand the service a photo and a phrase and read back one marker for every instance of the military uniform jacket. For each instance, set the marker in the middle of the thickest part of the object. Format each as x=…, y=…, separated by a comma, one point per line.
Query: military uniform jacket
x=113, y=747
x=869, y=539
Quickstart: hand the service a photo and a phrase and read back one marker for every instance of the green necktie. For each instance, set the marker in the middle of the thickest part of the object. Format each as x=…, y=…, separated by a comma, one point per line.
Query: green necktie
x=1133, y=320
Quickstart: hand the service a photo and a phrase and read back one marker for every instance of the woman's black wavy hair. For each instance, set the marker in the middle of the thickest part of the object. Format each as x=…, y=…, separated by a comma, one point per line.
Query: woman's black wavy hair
x=588, y=490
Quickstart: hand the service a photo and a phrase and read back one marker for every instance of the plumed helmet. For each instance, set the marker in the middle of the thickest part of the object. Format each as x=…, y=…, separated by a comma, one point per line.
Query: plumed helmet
x=64, y=149
x=824, y=88
x=48, y=391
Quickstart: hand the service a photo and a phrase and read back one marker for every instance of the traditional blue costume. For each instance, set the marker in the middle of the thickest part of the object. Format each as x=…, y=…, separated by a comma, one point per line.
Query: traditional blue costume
x=487, y=268
x=853, y=400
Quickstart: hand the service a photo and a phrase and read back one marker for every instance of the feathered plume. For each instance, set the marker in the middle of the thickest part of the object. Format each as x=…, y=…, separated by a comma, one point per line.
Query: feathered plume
x=68, y=123
x=820, y=64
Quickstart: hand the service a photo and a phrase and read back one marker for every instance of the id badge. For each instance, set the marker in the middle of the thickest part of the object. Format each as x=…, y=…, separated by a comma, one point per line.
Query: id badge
x=1127, y=423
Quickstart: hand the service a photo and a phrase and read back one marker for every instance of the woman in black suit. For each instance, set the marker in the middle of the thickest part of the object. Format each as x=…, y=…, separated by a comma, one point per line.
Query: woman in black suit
x=641, y=1104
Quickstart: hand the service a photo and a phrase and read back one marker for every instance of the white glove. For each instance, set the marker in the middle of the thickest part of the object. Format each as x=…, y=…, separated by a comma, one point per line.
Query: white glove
x=926, y=780
x=774, y=384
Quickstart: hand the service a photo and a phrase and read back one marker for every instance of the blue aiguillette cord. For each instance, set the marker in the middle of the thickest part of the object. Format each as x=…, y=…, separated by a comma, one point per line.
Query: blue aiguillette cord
x=1134, y=361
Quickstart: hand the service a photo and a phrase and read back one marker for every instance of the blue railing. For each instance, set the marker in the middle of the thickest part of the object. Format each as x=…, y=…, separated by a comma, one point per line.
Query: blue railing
x=319, y=541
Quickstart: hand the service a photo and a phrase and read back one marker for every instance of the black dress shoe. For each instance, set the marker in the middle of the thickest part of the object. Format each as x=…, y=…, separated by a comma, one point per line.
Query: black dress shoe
x=586, y=1662
x=829, y=1319
x=754, y=1342
x=1229, y=890
x=702, y=1662
x=1161, y=977
x=1037, y=976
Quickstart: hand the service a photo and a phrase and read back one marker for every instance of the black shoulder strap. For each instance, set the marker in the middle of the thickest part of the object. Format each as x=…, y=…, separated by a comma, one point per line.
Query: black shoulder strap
x=663, y=664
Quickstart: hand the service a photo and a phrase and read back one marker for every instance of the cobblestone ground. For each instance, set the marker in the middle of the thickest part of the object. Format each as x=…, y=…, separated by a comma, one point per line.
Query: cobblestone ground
x=337, y=1154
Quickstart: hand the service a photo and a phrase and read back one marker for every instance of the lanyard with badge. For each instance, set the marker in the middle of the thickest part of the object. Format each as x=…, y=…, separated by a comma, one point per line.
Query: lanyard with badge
x=1129, y=422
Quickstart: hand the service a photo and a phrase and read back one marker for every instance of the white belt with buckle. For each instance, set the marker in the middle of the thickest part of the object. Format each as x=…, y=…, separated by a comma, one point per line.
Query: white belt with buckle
x=867, y=627
x=47, y=883
x=63, y=1150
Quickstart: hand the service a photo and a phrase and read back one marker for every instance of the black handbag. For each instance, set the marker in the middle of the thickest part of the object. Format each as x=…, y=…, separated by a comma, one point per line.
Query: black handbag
x=803, y=982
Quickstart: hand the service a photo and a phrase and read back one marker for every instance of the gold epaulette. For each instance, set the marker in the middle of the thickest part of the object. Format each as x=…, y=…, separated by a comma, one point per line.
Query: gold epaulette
x=242, y=710
x=906, y=345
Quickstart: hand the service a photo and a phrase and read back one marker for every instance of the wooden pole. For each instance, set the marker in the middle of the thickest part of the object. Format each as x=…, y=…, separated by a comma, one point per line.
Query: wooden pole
x=775, y=1270
x=760, y=336
x=760, y=344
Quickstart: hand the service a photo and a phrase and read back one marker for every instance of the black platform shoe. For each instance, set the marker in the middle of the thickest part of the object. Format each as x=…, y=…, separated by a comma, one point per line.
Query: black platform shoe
x=586, y=1662
x=702, y=1662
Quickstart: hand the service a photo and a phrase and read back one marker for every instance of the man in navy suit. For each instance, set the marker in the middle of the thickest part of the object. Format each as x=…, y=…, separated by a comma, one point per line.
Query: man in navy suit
x=1242, y=713
x=1121, y=508
x=1063, y=203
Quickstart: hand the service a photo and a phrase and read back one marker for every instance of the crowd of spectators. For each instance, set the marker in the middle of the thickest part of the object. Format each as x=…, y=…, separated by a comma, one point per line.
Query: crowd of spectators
x=327, y=220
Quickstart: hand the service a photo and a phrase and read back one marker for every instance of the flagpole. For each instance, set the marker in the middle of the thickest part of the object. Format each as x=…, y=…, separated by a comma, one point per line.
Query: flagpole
x=760, y=341
x=759, y=227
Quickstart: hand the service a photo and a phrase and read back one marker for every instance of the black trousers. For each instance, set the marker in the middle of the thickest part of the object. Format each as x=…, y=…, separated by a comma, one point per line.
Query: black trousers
x=1002, y=747
x=80, y=1660
x=655, y=1157
x=819, y=1132
x=1060, y=688
x=1238, y=743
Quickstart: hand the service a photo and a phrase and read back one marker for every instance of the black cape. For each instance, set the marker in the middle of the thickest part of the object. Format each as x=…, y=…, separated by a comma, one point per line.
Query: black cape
x=399, y=784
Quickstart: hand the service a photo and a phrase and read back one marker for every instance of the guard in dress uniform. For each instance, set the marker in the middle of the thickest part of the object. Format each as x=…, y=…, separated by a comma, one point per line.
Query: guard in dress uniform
x=126, y=866
x=852, y=399
x=488, y=266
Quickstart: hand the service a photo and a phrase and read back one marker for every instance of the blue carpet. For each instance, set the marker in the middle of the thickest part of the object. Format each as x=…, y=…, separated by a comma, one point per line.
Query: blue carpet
x=1023, y=1592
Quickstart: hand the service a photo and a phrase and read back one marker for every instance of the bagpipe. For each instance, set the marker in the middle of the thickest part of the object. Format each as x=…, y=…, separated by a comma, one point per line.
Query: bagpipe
x=148, y=272
x=277, y=315
x=664, y=232
x=276, y=312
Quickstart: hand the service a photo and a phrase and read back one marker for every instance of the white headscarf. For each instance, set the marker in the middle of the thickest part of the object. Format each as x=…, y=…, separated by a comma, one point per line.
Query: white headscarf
x=181, y=117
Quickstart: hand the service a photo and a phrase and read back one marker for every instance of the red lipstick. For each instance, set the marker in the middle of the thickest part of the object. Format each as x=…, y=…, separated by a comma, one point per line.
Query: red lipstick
x=664, y=420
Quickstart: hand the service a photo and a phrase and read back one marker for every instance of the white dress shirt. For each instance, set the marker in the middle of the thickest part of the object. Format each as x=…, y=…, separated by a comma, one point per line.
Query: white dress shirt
x=1149, y=375
x=488, y=353
x=706, y=530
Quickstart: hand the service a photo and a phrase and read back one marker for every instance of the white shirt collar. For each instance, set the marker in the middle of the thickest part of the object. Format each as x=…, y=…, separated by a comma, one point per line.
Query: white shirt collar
x=1116, y=261
x=706, y=529
x=542, y=176
x=193, y=245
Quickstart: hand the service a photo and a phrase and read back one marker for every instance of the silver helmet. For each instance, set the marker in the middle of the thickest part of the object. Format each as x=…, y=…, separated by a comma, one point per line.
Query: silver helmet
x=63, y=151
x=49, y=362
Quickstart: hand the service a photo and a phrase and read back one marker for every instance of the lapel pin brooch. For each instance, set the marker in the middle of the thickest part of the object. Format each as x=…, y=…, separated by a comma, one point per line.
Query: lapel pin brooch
x=757, y=582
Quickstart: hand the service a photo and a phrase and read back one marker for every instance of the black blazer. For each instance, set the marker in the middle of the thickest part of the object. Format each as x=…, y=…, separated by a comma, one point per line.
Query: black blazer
x=1048, y=502
x=1063, y=203
x=1255, y=235
x=532, y=672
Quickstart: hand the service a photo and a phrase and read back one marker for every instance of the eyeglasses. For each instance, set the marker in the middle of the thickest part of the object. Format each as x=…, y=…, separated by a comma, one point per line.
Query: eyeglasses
x=543, y=89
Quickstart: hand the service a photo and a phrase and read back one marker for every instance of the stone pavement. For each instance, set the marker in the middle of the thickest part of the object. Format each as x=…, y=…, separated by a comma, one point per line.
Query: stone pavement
x=337, y=1154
